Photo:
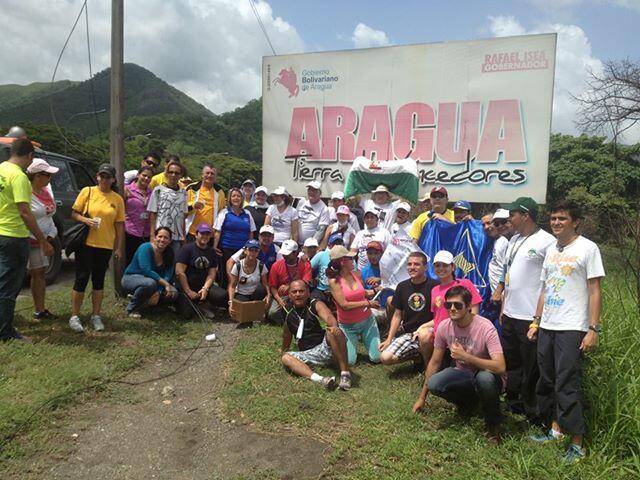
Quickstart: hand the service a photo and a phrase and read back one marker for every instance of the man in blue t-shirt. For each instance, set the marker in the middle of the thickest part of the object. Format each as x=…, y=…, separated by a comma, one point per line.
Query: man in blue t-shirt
x=319, y=264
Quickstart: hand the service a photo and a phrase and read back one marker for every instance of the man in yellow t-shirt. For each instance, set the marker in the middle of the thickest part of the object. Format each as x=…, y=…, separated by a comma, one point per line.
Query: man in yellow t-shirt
x=16, y=221
x=439, y=199
x=205, y=200
x=161, y=178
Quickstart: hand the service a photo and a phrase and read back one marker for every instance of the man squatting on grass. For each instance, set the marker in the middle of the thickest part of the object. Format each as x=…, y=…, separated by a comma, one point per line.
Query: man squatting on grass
x=566, y=326
x=315, y=346
x=479, y=372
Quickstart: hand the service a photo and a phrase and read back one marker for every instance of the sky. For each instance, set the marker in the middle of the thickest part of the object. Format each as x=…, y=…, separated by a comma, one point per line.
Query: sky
x=212, y=49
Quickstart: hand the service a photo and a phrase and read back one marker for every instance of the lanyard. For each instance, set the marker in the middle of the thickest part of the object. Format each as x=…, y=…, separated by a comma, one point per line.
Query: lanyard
x=515, y=252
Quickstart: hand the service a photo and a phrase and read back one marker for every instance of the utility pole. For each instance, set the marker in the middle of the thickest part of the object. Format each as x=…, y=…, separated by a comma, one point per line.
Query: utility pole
x=116, y=129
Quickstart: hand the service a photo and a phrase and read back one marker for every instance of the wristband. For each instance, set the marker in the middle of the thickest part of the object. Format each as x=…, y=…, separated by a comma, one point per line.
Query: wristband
x=537, y=317
x=534, y=325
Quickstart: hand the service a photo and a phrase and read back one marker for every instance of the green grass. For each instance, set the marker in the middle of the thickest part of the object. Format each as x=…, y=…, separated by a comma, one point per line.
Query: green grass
x=61, y=362
x=374, y=434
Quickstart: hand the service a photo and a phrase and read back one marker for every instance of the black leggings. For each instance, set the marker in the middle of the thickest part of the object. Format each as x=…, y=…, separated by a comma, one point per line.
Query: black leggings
x=131, y=244
x=91, y=262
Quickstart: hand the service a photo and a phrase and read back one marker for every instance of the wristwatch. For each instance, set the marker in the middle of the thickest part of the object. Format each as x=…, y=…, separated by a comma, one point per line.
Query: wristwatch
x=595, y=328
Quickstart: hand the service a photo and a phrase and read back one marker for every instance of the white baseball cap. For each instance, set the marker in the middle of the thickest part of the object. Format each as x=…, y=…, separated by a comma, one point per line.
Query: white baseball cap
x=404, y=206
x=501, y=213
x=288, y=247
x=443, y=256
x=280, y=191
x=380, y=188
x=262, y=188
x=314, y=184
x=343, y=209
x=372, y=210
x=337, y=195
x=311, y=242
x=39, y=165
x=267, y=229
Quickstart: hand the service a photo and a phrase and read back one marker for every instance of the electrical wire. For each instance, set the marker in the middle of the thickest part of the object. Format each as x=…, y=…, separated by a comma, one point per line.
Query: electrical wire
x=180, y=368
x=262, y=27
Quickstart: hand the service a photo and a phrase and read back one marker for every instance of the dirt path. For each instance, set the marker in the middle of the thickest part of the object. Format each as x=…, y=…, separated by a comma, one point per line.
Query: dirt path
x=179, y=436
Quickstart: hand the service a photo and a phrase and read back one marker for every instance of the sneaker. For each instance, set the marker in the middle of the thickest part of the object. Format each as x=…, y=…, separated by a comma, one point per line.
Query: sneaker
x=45, y=314
x=134, y=314
x=75, y=324
x=493, y=434
x=96, y=321
x=345, y=382
x=546, y=437
x=329, y=383
x=574, y=454
x=18, y=336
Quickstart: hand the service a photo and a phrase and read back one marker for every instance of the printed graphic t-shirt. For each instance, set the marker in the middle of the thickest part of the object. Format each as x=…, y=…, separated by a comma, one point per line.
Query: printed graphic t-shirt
x=312, y=217
x=281, y=222
x=437, y=299
x=566, y=292
x=198, y=261
x=170, y=206
x=414, y=301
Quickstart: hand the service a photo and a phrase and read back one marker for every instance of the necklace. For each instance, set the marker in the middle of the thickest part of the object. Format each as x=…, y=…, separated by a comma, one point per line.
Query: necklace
x=561, y=248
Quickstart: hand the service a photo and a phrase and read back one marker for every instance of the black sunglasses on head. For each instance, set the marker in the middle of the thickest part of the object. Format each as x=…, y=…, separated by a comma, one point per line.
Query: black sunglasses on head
x=454, y=305
x=438, y=195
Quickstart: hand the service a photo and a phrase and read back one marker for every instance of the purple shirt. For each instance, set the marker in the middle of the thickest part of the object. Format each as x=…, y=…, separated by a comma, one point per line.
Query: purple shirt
x=136, y=220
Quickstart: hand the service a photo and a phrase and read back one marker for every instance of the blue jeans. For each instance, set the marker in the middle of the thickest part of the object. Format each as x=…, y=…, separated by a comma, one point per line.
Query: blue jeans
x=141, y=287
x=14, y=255
x=368, y=331
x=466, y=390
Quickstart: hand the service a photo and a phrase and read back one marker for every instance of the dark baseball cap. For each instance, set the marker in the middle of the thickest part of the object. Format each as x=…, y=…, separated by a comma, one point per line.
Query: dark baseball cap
x=108, y=169
x=441, y=190
x=523, y=205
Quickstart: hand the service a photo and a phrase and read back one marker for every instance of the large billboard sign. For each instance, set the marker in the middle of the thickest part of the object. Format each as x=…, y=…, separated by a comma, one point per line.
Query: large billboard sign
x=476, y=116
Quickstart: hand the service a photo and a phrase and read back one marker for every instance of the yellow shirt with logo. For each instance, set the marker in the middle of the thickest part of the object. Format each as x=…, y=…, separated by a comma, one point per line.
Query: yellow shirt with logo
x=422, y=219
x=108, y=207
x=14, y=188
x=207, y=213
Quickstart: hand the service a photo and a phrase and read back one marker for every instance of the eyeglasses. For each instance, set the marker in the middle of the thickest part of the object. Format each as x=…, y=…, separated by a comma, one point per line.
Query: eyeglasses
x=438, y=195
x=174, y=172
x=454, y=305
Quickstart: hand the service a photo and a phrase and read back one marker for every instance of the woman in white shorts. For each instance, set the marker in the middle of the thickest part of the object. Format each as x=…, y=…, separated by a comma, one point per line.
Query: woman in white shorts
x=43, y=207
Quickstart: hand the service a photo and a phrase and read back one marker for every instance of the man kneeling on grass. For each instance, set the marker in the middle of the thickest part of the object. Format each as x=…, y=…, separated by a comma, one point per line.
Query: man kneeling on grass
x=478, y=377
x=315, y=346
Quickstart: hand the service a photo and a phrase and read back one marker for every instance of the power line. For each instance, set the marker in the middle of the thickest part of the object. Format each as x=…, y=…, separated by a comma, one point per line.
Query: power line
x=264, y=30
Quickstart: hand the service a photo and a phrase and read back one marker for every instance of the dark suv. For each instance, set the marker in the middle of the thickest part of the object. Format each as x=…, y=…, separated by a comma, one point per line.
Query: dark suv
x=66, y=184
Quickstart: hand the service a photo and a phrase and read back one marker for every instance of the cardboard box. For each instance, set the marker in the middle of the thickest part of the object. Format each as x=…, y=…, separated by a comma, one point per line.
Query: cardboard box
x=249, y=311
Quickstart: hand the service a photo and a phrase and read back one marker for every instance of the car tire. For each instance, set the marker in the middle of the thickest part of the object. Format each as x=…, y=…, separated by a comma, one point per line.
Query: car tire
x=55, y=262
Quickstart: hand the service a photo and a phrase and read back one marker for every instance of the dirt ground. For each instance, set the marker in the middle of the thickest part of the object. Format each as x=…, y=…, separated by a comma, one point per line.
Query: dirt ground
x=178, y=435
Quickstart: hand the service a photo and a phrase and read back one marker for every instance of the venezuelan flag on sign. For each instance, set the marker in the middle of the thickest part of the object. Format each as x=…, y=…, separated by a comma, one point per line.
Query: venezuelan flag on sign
x=471, y=249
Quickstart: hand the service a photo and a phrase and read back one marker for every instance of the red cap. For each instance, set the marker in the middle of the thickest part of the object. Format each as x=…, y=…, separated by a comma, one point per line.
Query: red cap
x=375, y=245
x=440, y=190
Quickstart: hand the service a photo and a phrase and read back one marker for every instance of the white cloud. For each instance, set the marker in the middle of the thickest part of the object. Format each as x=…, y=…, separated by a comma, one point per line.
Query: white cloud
x=210, y=49
x=574, y=60
x=364, y=36
x=555, y=5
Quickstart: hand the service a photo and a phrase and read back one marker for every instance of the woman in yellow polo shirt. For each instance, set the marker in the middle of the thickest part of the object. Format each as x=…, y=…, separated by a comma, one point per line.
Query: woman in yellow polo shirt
x=102, y=209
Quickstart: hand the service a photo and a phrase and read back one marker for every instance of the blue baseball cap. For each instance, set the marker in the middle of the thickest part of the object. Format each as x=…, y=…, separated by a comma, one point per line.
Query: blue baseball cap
x=204, y=228
x=462, y=205
x=252, y=244
x=334, y=238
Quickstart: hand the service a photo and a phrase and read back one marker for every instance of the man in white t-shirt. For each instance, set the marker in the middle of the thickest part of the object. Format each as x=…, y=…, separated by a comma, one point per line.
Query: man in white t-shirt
x=313, y=214
x=337, y=200
x=525, y=255
x=402, y=224
x=381, y=202
x=371, y=232
x=566, y=325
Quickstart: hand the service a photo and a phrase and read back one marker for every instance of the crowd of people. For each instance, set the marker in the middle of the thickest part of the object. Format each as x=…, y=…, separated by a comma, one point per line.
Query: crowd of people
x=316, y=267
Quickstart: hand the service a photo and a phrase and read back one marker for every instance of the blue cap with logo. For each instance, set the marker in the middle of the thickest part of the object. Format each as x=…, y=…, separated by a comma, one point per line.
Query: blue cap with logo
x=462, y=205
x=252, y=244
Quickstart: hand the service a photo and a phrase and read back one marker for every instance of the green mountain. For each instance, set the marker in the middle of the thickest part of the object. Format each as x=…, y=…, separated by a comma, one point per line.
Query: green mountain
x=145, y=94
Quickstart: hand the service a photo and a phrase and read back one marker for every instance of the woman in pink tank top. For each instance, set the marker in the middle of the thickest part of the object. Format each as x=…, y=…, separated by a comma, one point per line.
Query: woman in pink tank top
x=353, y=304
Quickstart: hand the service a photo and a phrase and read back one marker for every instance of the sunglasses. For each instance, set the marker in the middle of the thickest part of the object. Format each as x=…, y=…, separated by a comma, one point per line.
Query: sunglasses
x=173, y=172
x=454, y=305
x=500, y=222
x=152, y=163
x=438, y=195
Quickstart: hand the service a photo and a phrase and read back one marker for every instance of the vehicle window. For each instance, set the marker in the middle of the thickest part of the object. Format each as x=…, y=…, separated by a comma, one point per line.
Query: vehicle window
x=4, y=153
x=83, y=179
x=61, y=181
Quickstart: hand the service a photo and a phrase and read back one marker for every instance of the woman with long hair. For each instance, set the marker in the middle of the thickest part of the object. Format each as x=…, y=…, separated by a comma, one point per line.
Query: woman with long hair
x=43, y=208
x=136, y=217
x=282, y=217
x=101, y=208
x=231, y=230
x=148, y=277
x=353, y=304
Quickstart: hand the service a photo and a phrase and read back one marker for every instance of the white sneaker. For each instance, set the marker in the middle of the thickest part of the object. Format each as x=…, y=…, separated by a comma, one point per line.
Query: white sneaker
x=75, y=324
x=96, y=321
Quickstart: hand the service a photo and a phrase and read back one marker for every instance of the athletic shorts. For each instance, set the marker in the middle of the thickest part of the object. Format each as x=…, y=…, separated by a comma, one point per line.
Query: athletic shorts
x=321, y=354
x=403, y=347
x=37, y=259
